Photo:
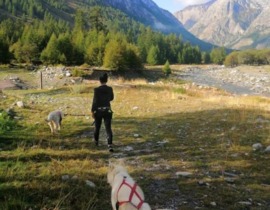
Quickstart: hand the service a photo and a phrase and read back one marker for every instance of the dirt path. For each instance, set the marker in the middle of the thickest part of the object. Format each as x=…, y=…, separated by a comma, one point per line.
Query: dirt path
x=6, y=84
x=238, y=81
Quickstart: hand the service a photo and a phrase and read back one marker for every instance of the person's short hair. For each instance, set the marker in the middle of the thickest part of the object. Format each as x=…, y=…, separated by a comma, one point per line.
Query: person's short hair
x=103, y=78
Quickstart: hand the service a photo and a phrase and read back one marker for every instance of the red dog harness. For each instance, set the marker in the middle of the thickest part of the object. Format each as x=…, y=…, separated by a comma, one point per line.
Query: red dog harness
x=131, y=195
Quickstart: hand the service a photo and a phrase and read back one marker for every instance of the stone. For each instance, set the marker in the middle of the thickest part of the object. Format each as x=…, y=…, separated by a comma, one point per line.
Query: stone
x=267, y=149
x=246, y=203
x=128, y=148
x=68, y=74
x=162, y=142
x=229, y=180
x=75, y=177
x=90, y=184
x=257, y=146
x=213, y=204
x=20, y=104
x=183, y=173
x=65, y=177
x=230, y=174
x=202, y=183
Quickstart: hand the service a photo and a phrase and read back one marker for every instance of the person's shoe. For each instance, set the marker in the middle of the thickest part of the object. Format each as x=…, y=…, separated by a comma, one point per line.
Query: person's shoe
x=110, y=148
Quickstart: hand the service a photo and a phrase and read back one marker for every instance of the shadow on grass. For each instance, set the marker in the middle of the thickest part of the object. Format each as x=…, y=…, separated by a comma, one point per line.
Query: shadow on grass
x=206, y=143
x=55, y=193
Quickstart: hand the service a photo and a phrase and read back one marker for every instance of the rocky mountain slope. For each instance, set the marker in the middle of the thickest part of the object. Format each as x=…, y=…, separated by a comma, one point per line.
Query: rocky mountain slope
x=238, y=24
x=147, y=12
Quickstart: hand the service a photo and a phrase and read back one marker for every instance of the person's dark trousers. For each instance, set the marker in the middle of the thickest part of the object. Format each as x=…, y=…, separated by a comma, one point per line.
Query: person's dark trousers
x=107, y=117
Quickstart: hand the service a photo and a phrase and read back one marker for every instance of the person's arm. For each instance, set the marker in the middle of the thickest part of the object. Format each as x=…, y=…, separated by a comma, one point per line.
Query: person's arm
x=94, y=103
x=112, y=95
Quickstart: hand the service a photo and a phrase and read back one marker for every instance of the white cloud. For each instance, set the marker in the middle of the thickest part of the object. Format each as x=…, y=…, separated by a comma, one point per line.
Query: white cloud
x=177, y=5
x=185, y=3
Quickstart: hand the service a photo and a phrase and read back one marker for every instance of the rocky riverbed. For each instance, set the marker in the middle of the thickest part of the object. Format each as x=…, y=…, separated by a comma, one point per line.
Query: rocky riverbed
x=244, y=80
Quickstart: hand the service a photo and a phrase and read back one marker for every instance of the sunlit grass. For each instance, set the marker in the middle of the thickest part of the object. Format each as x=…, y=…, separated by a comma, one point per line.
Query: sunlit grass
x=171, y=127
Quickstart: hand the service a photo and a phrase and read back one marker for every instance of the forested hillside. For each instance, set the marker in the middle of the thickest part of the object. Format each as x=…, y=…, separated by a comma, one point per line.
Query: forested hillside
x=77, y=32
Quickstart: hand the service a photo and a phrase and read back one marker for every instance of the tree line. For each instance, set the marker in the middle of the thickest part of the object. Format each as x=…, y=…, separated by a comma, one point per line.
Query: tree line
x=98, y=36
x=248, y=57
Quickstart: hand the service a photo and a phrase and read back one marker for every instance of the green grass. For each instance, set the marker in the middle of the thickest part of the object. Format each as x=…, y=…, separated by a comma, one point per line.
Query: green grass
x=199, y=131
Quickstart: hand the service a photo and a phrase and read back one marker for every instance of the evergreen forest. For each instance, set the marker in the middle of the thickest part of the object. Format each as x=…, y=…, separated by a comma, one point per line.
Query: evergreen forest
x=96, y=35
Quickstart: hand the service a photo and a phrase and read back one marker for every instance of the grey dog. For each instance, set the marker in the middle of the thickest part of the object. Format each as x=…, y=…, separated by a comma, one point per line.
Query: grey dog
x=54, y=120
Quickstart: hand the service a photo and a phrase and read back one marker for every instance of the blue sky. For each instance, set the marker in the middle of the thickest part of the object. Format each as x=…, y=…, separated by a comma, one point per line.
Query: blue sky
x=176, y=5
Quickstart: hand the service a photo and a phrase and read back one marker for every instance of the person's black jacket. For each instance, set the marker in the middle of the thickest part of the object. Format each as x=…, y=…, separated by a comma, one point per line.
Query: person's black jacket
x=102, y=97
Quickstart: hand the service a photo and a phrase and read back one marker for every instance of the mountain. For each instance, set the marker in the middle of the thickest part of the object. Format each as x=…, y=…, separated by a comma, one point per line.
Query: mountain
x=236, y=24
x=143, y=11
x=148, y=13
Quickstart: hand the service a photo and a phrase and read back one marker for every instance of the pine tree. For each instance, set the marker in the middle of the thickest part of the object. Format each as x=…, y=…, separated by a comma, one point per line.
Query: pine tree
x=167, y=69
x=232, y=59
x=102, y=42
x=25, y=52
x=206, y=59
x=80, y=23
x=92, y=54
x=96, y=19
x=78, y=38
x=65, y=47
x=180, y=58
x=152, y=57
x=132, y=57
x=114, y=56
x=4, y=52
x=51, y=54
x=218, y=55
x=78, y=47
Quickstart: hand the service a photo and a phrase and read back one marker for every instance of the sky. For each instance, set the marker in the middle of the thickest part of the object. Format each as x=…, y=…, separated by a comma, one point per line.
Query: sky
x=176, y=5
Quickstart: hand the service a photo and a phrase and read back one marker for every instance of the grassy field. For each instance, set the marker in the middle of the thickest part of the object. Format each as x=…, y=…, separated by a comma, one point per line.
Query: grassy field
x=161, y=127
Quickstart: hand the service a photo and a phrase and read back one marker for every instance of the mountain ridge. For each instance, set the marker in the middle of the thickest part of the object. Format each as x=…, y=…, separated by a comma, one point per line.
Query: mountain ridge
x=157, y=18
x=238, y=24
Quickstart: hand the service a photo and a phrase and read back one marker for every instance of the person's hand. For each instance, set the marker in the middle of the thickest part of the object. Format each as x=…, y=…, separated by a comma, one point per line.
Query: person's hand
x=93, y=115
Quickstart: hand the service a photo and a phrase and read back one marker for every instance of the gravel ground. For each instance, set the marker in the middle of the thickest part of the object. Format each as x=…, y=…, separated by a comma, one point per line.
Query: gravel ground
x=6, y=84
x=244, y=80
x=238, y=81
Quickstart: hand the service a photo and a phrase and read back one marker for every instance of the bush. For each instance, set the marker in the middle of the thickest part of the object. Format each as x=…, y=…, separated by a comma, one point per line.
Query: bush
x=6, y=122
x=167, y=69
x=76, y=72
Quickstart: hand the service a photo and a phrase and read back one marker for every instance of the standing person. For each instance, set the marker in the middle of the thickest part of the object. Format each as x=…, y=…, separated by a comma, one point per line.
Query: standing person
x=101, y=109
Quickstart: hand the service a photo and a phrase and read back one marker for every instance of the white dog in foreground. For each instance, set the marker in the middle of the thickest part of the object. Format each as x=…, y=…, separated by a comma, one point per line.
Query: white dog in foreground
x=126, y=194
x=54, y=120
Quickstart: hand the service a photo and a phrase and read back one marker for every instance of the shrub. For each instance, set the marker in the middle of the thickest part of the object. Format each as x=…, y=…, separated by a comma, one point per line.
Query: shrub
x=6, y=122
x=167, y=69
x=76, y=72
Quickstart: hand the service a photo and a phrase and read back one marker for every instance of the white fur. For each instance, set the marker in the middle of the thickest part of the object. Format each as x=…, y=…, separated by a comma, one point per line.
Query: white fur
x=115, y=178
x=54, y=121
